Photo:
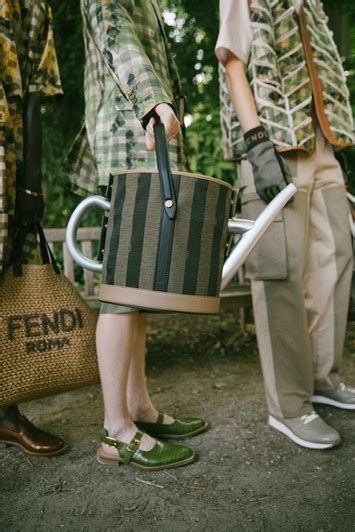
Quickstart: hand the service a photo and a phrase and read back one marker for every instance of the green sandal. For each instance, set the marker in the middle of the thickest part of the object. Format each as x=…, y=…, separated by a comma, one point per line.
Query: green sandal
x=180, y=428
x=162, y=456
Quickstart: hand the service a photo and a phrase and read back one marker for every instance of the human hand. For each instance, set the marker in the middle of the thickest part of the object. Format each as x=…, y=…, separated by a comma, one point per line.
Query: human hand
x=271, y=174
x=29, y=208
x=168, y=118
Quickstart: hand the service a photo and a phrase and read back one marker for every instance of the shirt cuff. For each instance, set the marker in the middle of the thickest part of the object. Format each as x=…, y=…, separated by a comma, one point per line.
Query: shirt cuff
x=229, y=45
x=146, y=102
x=224, y=53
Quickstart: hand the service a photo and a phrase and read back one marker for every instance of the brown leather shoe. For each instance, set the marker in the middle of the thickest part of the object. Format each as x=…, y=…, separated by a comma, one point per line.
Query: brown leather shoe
x=31, y=440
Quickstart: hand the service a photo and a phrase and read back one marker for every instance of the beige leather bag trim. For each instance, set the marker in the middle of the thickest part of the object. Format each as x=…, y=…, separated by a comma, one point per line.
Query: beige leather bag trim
x=150, y=299
x=185, y=174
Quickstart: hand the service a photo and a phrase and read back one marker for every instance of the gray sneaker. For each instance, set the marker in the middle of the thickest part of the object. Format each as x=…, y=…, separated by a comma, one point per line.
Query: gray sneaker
x=341, y=397
x=308, y=431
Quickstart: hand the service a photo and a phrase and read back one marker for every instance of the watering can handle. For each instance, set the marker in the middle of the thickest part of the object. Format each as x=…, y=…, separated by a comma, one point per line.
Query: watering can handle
x=72, y=228
x=165, y=175
x=251, y=232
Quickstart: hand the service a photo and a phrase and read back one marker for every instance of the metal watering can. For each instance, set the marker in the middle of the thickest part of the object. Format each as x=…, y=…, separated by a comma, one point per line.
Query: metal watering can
x=167, y=236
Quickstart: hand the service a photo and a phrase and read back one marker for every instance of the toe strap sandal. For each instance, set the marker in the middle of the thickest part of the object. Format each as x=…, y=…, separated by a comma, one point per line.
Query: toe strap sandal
x=162, y=456
x=180, y=428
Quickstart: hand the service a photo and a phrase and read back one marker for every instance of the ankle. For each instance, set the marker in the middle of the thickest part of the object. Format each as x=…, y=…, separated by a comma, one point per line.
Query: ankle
x=117, y=427
x=9, y=413
x=125, y=435
x=144, y=412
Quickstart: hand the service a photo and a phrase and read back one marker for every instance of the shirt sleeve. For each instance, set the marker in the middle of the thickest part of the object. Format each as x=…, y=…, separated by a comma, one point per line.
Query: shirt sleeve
x=235, y=34
x=44, y=77
x=116, y=38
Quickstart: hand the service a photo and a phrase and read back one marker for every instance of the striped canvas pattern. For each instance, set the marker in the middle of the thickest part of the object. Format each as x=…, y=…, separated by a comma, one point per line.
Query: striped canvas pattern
x=196, y=252
x=281, y=83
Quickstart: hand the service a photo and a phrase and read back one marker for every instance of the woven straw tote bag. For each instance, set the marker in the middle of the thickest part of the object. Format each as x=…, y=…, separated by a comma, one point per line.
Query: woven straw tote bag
x=47, y=332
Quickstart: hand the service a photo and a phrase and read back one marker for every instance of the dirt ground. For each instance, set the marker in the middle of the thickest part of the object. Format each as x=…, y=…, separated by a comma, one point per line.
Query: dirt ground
x=247, y=477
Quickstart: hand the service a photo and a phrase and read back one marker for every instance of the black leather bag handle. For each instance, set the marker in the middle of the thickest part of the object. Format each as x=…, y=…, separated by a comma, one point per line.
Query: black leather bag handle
x=166, y=178
x=46, y=252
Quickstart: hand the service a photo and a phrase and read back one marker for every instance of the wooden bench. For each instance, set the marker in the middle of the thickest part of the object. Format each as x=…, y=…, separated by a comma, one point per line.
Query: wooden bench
x=236, y=296
x=86, y=237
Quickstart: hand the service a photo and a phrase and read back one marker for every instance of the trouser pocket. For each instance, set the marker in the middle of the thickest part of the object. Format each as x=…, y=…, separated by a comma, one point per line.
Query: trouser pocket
x=268, y=261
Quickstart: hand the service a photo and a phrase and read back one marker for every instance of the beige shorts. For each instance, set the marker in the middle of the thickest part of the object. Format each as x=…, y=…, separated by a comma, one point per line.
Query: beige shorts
x=110, y=308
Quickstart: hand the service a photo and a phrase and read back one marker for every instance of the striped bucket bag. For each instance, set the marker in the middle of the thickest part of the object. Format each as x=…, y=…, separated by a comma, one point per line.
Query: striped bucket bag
x=166, y=238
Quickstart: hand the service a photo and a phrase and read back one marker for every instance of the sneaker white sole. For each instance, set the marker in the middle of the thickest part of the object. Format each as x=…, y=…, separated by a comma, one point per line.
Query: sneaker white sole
x=331, y=402
x=275, y=424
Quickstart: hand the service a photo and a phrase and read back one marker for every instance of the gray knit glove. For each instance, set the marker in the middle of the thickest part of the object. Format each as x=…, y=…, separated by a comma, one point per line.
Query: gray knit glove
x=271, y=174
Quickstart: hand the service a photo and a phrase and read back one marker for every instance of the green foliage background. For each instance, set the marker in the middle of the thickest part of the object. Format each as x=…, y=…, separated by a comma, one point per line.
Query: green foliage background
x=193, y=35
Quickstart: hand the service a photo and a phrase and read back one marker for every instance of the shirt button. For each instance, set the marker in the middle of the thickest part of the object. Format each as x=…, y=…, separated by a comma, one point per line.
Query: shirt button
x=131, y=96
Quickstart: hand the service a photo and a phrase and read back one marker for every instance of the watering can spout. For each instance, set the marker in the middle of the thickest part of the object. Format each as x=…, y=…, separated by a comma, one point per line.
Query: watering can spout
x=250, y=232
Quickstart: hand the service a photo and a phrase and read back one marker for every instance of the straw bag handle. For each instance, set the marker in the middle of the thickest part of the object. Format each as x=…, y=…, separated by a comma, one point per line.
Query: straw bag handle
x=46, y=252
x=165, y=175
x=17, y=251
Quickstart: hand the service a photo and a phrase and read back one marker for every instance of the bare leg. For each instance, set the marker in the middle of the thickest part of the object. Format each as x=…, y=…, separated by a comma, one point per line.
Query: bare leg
x=115, y=340
x=139, y=402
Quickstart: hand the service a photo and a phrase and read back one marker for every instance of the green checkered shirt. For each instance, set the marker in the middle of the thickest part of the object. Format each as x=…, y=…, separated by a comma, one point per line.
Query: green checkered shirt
x=129, y=70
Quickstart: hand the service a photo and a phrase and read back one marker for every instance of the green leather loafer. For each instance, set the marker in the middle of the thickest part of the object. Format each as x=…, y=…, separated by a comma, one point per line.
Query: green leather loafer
x=180, y=428
x=162, y=456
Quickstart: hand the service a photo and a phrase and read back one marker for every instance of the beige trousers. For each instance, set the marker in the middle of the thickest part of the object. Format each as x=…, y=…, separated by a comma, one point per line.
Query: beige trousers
x=300, y=275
